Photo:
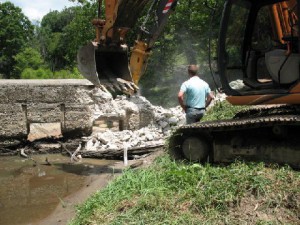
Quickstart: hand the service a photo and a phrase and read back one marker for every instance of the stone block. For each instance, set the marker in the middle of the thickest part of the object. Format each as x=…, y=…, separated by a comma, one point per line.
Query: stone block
x=77, y=95
x=107, y=122
x=44, y=113
x=13, y=94
x=13, y=120
x=44, y=130
x=46, y=94
x=77, y=117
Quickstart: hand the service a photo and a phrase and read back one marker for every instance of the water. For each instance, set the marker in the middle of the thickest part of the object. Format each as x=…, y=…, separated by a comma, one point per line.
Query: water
x=30, y=191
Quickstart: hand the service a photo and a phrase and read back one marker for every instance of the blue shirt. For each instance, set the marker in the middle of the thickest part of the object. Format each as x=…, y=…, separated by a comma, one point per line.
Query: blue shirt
x=195, y=92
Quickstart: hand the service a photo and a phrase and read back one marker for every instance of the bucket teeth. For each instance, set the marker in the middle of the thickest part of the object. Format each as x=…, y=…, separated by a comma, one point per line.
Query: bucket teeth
x=119, y=86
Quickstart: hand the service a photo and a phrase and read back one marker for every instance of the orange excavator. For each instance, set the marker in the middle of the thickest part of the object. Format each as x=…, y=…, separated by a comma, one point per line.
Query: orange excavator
x=258, y=64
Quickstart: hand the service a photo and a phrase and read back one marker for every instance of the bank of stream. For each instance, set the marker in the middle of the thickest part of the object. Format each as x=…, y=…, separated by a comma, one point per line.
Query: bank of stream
x=31, y=190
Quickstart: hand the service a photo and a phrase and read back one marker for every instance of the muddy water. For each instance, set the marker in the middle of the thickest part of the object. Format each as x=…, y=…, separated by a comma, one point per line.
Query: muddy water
x=30, y=191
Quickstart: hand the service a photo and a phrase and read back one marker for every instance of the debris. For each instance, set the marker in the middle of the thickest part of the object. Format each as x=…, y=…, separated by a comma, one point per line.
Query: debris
x=47, y=162
x=73, y=156
x=136, y=164
x=23, y=154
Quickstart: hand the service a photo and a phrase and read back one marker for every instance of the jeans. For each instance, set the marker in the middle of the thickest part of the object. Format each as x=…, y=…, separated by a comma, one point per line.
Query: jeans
x=194, y=115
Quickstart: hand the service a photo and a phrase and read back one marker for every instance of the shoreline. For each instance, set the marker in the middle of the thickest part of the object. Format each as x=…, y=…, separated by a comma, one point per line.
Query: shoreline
x=66, y=209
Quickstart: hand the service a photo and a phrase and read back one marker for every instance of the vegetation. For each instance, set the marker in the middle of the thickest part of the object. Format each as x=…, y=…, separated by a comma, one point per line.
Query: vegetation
x=170, y=192
x=15, y=33
x=46, y=49
x=222, y=110
x=175, y=193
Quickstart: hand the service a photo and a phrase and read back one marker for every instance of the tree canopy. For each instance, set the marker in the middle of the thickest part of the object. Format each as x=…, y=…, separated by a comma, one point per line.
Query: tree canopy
x=15, y=33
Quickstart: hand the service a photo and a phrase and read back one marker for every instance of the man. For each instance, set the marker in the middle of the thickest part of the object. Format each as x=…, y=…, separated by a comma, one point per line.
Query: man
x=194, y=96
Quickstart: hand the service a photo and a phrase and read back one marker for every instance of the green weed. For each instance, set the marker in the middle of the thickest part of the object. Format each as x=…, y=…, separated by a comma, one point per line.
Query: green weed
x=169, y=192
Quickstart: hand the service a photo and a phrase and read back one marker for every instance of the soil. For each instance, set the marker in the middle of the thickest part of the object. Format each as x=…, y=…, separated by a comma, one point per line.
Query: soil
x=66, y=211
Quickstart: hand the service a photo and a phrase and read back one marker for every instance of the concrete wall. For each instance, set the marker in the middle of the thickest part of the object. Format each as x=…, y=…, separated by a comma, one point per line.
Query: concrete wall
x=24, y=102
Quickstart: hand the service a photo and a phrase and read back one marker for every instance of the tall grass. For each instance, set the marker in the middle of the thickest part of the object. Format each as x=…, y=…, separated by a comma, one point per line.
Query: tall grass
x=169, y=192
x=222, y=110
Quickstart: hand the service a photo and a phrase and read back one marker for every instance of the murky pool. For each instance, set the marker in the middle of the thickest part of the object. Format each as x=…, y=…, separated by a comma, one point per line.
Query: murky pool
x=30, y=191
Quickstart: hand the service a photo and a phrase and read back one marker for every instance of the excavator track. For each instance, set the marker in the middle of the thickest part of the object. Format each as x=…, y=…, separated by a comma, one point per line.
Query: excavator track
x=268, y=134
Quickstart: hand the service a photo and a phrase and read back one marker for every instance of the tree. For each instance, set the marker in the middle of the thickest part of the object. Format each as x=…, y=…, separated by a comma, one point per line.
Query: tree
x=51, y=34
x=16, y=31
x=79, y=31
x=28, y=58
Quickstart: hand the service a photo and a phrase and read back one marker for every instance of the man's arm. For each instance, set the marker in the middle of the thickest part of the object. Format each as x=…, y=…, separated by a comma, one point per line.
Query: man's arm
x=209, y=98
x=180, y=100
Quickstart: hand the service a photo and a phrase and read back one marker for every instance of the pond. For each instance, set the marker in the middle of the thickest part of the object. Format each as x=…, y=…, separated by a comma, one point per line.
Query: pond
x=31, y=190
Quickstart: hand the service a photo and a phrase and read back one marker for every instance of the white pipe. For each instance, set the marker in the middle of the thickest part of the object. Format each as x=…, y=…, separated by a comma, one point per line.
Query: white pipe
x=125, y=154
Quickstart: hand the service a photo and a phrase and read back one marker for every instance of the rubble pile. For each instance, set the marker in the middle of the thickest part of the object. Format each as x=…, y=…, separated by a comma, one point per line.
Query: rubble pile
x=143, y=124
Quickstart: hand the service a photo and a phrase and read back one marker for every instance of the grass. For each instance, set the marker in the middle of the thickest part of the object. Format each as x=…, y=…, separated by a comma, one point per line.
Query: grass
x=222, y=110
x=170, y=192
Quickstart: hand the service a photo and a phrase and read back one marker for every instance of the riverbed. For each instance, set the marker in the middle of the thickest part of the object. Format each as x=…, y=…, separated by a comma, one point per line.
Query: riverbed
x=31, y=190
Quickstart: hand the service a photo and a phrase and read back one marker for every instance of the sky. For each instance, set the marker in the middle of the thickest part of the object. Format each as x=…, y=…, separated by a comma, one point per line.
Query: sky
x=36, y=9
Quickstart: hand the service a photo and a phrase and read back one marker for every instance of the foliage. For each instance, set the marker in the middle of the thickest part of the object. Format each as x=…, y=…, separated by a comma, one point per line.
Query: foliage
x=16, y=31
x=175, y=193
x=28, y=58
x=51, y=36
x=62, y=33
x=222, y=110
x=78, y=32
x=41, y=73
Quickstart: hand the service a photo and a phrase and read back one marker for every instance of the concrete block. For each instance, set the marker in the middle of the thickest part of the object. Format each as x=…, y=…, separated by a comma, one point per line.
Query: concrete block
x=77, y=95
x=13, y=120
x=77, y=117
x=44, y=113
x=13, y=94
x=44, y=130
x=46, y=94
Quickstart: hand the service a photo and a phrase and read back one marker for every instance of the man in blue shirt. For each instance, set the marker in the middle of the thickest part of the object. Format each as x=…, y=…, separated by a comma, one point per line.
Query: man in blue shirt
x=194, y=96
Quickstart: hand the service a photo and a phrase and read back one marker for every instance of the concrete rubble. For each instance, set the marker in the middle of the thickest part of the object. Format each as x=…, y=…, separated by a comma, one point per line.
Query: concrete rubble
x=143, y=124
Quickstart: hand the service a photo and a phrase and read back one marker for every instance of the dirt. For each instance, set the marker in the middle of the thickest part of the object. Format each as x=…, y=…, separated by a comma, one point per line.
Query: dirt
x=251, y=209
x=66, y=211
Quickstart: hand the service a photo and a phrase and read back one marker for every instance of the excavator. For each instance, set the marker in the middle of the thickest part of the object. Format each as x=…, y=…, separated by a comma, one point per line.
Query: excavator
x=258, y=48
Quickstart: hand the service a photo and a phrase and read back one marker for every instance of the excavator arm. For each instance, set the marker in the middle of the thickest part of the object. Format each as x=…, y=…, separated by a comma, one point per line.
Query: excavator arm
x=107, y=61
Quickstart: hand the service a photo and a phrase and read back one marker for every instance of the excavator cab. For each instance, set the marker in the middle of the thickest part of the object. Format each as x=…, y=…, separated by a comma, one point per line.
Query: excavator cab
x=258, y=54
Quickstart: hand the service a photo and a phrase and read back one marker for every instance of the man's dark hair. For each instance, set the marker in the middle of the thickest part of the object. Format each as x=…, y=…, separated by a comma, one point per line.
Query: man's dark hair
x=193, y=69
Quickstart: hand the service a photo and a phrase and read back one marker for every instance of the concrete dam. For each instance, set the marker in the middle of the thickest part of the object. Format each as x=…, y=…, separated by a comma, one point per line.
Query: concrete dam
x=55, y=104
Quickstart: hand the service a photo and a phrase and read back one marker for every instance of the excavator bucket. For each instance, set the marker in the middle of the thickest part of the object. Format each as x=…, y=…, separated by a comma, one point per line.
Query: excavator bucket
x=87, y=63
x=106, y=67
